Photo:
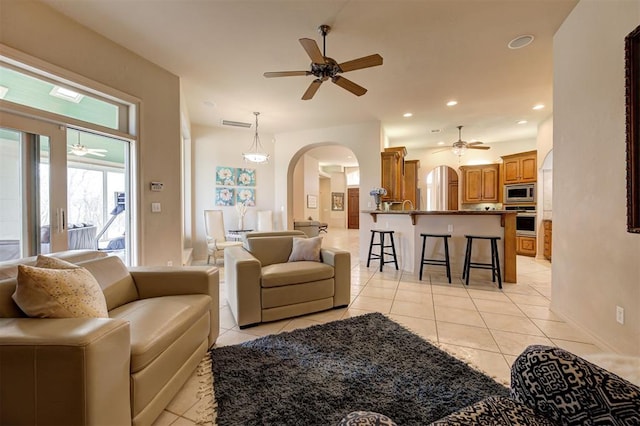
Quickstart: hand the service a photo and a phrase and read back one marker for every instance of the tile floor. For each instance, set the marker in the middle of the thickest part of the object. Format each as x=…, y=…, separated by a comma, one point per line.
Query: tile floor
x=480, y=324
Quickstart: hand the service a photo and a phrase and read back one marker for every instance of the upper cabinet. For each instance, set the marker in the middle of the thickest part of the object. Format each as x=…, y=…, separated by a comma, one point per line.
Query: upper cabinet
x=520, y=168
x=480, y=183
x=411, y=182
x=392, y=174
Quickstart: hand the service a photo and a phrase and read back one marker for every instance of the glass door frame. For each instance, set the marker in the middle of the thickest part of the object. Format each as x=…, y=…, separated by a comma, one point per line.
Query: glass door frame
x=57, y=182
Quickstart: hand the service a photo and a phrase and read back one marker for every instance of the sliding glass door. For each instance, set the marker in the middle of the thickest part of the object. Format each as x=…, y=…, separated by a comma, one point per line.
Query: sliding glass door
x=32, y=187
x=61, y=188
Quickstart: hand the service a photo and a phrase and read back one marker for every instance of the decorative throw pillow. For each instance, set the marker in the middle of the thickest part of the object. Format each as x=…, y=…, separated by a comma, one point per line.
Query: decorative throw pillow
x=306, y=249
x=54, y=288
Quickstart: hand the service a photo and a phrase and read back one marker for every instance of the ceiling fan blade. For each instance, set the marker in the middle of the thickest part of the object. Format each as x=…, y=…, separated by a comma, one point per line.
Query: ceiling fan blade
x=286, y=73
x=364, y=62
x=474, y=143
x=312, y=49
x=349, y=85
x=441, y=150
x=97, y=150
x=312, y=89
x=477, y=147
x=97, y=154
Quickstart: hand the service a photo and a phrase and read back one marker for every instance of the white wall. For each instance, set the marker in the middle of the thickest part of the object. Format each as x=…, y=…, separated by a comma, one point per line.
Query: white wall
x=214, y=147
x=41, y=32
x=595, y=261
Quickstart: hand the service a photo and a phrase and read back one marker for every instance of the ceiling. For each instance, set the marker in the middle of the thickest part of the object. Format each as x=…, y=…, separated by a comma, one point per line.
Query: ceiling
x=434, y=51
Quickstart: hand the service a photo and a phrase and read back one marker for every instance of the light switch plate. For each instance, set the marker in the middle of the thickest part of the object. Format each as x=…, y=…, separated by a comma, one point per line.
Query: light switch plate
x=156, y=208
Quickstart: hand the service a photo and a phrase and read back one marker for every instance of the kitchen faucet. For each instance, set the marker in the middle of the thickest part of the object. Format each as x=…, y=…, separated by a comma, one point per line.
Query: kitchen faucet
x=410, y=203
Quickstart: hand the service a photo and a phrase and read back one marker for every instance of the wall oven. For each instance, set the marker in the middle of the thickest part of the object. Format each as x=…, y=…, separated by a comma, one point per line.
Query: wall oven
x=520, y=193
x=525, y=220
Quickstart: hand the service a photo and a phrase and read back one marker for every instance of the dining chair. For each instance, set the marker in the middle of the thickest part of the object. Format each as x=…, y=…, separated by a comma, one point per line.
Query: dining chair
x=216, y=235
x=265, y=221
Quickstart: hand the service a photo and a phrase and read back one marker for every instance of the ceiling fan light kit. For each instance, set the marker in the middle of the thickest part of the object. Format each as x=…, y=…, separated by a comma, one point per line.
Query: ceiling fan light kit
x=324, y=68
x=460, y=147
x=256, y=152
x=81, y=150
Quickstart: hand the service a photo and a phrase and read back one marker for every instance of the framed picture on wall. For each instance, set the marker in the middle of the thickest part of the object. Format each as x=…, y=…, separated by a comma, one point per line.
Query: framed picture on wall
x=312, y=202
x=225, y=176
x=337, y=201
x=225, y=196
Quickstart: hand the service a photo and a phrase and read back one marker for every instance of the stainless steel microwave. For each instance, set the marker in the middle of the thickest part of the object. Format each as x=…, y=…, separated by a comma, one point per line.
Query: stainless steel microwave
x=520, y=193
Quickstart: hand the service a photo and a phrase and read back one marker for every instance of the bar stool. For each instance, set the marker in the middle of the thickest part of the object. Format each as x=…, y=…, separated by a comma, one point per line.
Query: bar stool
x=374, y=256
x=442, y=262
x=495, y=260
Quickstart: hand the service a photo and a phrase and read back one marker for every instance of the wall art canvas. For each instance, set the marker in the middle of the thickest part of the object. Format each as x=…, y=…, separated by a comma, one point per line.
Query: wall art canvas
x=225, y=196
x=225, y=176
x=246, y=196
x=246, y=177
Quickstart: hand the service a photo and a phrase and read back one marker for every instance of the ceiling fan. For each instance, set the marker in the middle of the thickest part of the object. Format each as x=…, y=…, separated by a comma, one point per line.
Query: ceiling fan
x=81, y=150
x=459, y=147
x=324, y=67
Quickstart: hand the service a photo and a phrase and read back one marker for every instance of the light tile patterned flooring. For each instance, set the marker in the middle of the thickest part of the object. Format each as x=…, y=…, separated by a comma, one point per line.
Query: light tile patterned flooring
x=479, y=323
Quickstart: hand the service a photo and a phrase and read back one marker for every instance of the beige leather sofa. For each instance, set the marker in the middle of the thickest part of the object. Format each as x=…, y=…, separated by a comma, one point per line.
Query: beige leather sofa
x=107, y=371
x=262, y=286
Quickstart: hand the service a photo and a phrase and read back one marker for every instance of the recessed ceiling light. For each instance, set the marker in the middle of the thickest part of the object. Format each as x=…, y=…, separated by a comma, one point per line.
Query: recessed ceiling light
x=520, y=41
x=66, y=94
x=539, y=106
x=407, y=114
x=3, y=91
x=522, y=122
x=452, y=103
x=441, y=143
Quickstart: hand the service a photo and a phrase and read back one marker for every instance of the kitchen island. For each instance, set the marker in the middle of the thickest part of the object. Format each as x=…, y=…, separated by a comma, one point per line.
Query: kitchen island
x=408, y=225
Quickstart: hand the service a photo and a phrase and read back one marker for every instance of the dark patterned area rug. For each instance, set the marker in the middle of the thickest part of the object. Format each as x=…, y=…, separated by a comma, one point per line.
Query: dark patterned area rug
x=317, y=375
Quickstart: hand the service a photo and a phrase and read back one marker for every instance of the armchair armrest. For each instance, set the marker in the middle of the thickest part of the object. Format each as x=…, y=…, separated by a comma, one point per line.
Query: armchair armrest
x=158, y=281
x=341, y=262
x=570, y=390
x=242, y=277
x=64, y=371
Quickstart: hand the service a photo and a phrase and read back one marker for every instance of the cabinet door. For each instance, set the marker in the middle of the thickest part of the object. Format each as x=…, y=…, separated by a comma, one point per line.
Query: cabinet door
x=392, y=176
x=472, y=186
x=526, y=246
x=490, y=184
x=511, y=171
x=528, y=169
x=411, y=181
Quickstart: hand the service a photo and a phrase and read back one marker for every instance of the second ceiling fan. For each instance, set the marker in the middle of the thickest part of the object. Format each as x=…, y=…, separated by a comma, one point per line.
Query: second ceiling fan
x=459, y=147
x=324, y=67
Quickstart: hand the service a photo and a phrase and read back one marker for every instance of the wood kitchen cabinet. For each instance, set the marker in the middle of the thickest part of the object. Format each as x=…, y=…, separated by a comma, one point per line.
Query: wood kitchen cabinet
x=546, y=227
x=411, y=182
x=480, y=183
x=520, y=168
x=526, y=245
x=392, y=173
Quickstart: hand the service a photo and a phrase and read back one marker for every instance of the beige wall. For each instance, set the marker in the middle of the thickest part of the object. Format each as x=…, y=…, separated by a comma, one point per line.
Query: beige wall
x=213, y=147
x=596, y=263
x=37, y=30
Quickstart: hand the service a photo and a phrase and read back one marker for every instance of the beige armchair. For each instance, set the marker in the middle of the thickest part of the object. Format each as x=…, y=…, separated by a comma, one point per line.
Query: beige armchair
x=216, y=235
x=262, y=285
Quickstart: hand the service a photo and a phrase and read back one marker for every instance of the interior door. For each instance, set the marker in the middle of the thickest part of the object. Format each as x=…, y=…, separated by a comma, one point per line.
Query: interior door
x=353, y=208
x=33, y=189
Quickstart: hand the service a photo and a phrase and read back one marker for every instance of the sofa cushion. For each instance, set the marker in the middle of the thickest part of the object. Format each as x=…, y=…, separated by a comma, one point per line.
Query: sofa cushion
x=114, y=278
x=157, y=322
x=281, y=274
x=58, y=289
x=270, y=250
x=306, y=249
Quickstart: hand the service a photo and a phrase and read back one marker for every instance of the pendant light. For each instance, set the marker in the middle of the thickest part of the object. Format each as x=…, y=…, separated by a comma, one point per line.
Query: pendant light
x=256, y=153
